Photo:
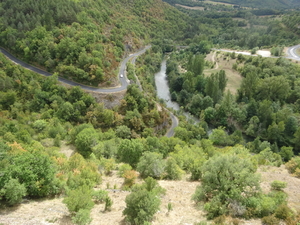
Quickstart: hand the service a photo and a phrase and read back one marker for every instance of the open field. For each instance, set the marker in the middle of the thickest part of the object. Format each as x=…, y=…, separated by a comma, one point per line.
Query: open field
x=217, y=3
x=225, y=63
x=193, y=8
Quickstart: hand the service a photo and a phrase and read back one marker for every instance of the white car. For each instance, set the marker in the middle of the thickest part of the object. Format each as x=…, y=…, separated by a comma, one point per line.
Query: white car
x=121, y=75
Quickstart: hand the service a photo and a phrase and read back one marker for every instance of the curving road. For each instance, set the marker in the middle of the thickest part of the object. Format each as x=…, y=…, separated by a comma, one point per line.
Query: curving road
x=123, y=80
x=292, y=52
x=175, y=123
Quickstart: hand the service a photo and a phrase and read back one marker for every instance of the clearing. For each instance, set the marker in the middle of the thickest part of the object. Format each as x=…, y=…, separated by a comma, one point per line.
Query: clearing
x=225, y=63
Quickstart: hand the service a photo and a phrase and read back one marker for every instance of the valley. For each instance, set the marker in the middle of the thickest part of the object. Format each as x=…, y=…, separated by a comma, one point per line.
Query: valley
x=149, y=112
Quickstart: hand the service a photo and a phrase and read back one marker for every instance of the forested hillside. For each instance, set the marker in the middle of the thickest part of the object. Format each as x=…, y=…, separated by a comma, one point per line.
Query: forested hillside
x=85, y=40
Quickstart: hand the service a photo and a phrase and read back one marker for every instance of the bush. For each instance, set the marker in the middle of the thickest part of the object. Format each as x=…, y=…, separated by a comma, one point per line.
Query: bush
x=82, y=217
x=173, y=171
x=151, y=164
x=293, y=164
x=270, y=220
x=224, y=181
x=80, y=198
x=100, y=196
x=220, y=220
x=141, y=206
x=123, y=168
x=108, y=204
x=130, y=177
x=283, y=212
x=108, y=165
x=277, y=185
x=13, y=191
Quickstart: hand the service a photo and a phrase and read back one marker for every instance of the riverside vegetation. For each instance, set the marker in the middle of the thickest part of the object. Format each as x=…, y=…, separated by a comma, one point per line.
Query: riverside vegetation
x=85, y=41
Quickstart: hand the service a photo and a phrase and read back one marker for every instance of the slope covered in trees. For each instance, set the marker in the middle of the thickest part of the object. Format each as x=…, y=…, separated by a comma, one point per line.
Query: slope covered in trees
x=85, y=40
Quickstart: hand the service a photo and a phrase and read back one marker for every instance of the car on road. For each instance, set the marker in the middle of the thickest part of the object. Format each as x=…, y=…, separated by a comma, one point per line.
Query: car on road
x=121, y=75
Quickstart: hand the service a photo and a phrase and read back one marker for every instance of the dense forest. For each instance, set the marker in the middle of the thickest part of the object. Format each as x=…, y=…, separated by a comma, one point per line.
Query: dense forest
x=235, y=134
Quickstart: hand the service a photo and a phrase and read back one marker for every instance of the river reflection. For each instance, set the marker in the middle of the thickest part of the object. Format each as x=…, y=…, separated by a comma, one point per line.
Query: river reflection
x=162, y=87
x=163, y=92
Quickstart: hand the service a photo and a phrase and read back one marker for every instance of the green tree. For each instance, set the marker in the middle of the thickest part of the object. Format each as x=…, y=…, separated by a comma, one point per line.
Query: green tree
x=86, y=140
x=130, y=151
x=35, y=171
x=141, y=205
x=151, y=164
x=225, y=179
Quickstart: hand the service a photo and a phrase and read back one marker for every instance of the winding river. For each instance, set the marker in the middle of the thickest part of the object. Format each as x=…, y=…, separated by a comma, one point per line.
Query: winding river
x=162, y=87
x=163, y=91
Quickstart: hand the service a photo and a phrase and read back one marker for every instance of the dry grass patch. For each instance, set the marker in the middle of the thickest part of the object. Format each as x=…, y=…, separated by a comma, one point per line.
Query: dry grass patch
x=178, y=193
x=193, y=8
x=271, y=173
x=225, y=63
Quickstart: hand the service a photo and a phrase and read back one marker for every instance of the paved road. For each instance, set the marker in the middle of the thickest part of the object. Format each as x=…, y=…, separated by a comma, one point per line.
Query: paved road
x=292, y=52
x=175, y=122
x=123, y=80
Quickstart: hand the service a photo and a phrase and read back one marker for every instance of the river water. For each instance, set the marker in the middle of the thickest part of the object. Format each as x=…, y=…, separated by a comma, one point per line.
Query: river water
x=163, y=92
x=162, y=87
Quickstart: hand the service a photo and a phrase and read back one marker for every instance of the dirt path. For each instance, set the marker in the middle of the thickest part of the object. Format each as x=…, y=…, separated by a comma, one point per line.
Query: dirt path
x=213, y=59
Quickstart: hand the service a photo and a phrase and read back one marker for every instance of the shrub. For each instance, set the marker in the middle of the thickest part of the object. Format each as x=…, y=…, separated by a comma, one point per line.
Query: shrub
x=130, y=177
x=14, y=191
x=85, y=140
x=225, y=179
x=82, y=217
x=80, y=198
x=141, y=206
x=123, y=168
x=283, y=212
x=270, y=220
x=235, y=221
x=220, y=220
x=108, y=165
x=277, y=185
x=100, y=196
x=151, y=164
x=293, y=164
x=173, y=171
x=108, y=204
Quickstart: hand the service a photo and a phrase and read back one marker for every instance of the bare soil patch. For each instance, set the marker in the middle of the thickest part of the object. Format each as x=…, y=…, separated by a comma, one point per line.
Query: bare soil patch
x=110, y=100
x=67, y=149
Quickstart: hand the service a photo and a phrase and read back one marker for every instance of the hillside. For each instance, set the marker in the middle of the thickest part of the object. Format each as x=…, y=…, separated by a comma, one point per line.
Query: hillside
x=85, y=40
